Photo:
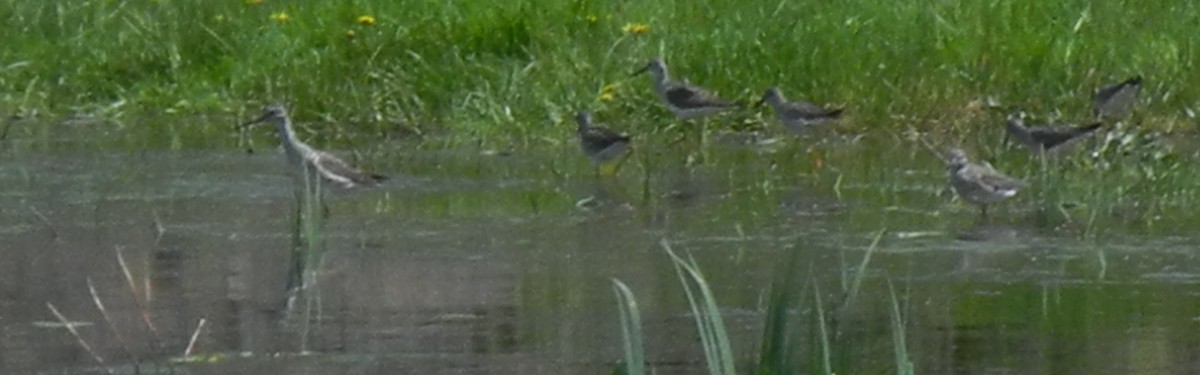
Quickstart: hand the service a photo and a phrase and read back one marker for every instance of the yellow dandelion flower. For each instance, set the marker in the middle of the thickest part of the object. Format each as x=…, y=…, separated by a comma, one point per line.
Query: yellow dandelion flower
x=592, y=18
x=607, y=97
x=366, y=20
x=609, y=88
x=635, y=28
x=254, y=2
x=280, y=17
x=350, y=34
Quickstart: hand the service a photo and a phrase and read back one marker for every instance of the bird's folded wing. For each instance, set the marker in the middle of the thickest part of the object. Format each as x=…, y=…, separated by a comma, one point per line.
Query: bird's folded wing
x=336, y=169
x=690, y=97
x=804, y=109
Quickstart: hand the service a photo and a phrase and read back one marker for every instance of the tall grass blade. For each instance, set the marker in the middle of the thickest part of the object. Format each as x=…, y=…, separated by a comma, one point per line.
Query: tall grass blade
x=823, y=332
x=74, y=332
x=111, y=325
x=195, y=337
x=904, y=365
x=777, y=341
x=631, y=330
x=717, y=351
x=137, y=299
x=861, y=272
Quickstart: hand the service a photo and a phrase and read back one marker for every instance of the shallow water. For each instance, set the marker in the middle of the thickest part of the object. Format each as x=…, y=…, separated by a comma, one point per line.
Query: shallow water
x=473, y=262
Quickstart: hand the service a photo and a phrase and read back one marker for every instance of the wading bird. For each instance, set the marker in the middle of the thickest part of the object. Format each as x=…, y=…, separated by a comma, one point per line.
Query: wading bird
x=305, y=159
x=799, y=115
x=1046, y=138
x=600, y=144
x=685, y=100
x=1115, y=101
x=979, y=184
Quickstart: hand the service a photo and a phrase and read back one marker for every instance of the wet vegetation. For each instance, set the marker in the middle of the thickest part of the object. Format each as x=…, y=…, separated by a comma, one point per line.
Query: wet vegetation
x=764, y=246
x=497, y=74
x=510, y=78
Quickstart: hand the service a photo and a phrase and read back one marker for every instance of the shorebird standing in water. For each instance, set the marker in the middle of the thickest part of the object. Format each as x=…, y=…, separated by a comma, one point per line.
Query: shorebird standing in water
x=303, y=157
x=1044, y=139
x=799, y=115
x=685, y=100
x=601, y=145
x=979, y=184
x=1116, y=101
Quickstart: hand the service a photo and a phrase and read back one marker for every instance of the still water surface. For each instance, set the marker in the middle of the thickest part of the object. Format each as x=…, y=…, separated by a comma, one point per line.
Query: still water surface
x=473, y=262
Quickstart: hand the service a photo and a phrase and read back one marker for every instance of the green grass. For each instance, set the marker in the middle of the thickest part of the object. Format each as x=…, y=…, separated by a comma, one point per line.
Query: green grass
x=780, y=337
x=850, y=290
x=634, y=362
x=176, y=74
x=825, y=359
x=512, y=72
x=783, y=342
x=718, y=353
x=904, y=364
x=509, y=76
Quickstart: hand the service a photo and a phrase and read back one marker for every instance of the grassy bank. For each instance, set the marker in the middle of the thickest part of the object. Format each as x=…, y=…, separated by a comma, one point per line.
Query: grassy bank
x=481, y=71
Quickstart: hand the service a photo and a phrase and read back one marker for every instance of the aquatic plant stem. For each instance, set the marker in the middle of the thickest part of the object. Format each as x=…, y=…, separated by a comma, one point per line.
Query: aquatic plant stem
x=137, y=300
x=82, y=343
x=195, y=337
x=709, y=324
x=631, y=329
x=111, y=326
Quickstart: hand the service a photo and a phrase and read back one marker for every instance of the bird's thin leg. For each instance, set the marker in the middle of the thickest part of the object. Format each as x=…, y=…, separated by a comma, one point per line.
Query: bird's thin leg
x=620, y=162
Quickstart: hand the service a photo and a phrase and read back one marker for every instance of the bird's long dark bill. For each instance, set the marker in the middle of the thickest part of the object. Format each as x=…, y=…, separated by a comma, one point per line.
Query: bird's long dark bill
x=640, y=71
x=254, y=121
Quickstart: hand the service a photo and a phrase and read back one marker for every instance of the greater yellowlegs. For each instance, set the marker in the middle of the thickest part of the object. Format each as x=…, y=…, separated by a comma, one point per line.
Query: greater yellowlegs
x=1046, y=138
x=685, y=100
x=979, y=184
x=798, y=115
x=301, y=155
x=1115, y=101
x=600, y=144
